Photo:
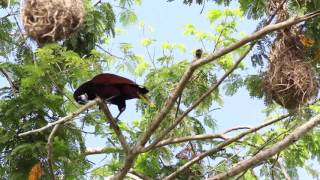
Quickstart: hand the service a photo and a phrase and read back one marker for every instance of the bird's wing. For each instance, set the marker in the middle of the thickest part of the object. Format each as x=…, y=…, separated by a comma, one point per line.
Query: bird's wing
x=107, y=91
x=127, y=91
x=110, y=79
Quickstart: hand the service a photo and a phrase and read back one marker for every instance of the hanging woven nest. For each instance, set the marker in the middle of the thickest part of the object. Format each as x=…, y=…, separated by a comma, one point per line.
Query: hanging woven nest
x=290, y=80
x=51, y=20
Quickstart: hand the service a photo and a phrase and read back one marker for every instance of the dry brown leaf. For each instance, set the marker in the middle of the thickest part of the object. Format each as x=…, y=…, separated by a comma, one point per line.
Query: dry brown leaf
x=306, y=41
x=35, y=172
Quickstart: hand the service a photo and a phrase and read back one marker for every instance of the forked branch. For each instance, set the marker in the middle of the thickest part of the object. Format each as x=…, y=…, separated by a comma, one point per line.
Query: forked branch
x=219, y=147
x=267, y=153
x=145, y=137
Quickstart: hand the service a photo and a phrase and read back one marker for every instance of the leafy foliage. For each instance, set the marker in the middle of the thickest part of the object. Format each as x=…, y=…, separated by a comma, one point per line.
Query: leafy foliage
x=99, y=22
x=41, y=81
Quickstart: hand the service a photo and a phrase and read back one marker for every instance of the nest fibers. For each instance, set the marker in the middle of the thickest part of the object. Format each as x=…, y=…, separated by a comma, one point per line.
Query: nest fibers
x=51, y=20
x=290, y=80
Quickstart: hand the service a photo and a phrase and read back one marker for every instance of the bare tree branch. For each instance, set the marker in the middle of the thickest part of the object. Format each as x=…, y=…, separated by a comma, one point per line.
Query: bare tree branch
x=62, y=120
x=293, y=137
x=109, y=53
x=142, y=176
x=190, y=138
x=50, y=149
x=257, y=35
x=133, y=176
x=144, y=138
x=198, y=101
x=13, y=87
x=223, y=145
x=164, y=111
x=108, y=149
x=114, y=125
x=236, y=128
x=112, y=149
x=13, y=13
x=283, y=169
x=129, y=160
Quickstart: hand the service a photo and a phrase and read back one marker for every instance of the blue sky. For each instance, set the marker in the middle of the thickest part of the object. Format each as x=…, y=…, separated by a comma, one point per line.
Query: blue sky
x=167, y=20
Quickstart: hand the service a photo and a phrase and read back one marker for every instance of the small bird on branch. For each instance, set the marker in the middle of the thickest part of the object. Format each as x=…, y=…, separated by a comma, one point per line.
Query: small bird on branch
x=198, y=53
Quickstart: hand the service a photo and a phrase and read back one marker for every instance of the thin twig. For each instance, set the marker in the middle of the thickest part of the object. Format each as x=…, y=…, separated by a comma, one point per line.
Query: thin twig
x=219, y=147
x=63, y=119
x=8, y=15
x=236, y=128
x=276, y=12
x=50, y=149
x=293, y=137
x=283, y=170
x=190, y=138
x=13, y=87
x=109, y=53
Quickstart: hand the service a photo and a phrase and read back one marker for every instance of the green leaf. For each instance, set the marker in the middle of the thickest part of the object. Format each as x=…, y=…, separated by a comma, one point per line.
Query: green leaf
x=214, y=15
x=166, y=45
x=315, y=107
x=128, y=18
x=138, y=2
x=141, y=68
x=147, y=41
x=125, y=46
x=181, y=47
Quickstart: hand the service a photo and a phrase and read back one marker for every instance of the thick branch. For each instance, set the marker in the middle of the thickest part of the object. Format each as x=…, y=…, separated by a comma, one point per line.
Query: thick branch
x=108, y=149
x=142, y=176
x=50, y=148
x=62, y=120
x=257, y=35
x=164, y=111
x=276, y=148
x=214, y=56
x=219, y=147
x=125, y=169
x=188, y=74
x=133, y=176
x=198, y=101
x=114, y=125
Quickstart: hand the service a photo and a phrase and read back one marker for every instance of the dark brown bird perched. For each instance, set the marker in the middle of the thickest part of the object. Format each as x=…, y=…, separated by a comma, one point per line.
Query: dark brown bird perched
x=111, y=88
x=198, y=53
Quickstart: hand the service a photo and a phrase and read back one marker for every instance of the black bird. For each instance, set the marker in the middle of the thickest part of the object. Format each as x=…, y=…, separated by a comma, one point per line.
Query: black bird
x=198, y=53
x=112, y=88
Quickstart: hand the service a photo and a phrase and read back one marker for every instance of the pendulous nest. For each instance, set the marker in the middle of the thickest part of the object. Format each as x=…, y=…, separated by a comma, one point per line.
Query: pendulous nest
x=51, y=20
x=290, y=80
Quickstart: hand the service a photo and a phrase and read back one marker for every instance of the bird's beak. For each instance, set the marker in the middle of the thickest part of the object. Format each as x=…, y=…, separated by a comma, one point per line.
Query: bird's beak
x=146, y=100
x=82, y=99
